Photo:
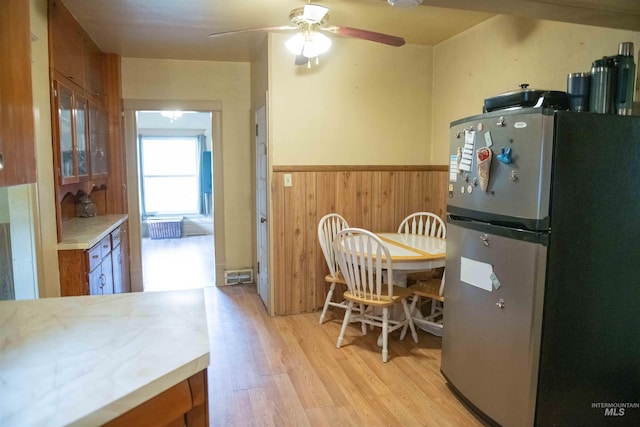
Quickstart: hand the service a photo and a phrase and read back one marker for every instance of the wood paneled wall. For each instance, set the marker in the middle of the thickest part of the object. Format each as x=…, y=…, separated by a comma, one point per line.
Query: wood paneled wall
x=376, y=198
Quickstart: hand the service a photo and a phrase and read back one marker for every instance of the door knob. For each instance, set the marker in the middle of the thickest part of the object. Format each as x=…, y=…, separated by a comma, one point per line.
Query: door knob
x=263, y=220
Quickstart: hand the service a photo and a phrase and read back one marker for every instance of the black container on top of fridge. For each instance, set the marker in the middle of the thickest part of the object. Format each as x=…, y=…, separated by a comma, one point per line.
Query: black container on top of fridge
x=542, y=312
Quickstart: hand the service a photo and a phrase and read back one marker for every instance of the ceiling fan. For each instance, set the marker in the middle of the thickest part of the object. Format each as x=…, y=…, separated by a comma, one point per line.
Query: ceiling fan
x=311, y=21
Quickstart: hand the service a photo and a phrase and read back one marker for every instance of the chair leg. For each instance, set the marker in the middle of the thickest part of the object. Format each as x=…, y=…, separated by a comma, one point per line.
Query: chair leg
x=345, y=322
x=409, y=320
x=385, y=333
x=363, y=326
x=326, y=302
x=411, y=309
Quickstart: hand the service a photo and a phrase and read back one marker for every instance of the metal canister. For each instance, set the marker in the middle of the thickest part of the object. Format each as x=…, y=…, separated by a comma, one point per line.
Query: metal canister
x=578, y=87
x=625, y=72
x=602, y=90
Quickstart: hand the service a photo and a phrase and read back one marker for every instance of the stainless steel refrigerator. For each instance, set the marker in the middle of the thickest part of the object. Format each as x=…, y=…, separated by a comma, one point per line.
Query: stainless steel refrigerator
x=542, y=300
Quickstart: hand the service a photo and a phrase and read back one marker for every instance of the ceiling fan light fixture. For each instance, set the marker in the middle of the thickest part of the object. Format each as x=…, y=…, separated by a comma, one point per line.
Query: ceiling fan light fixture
x=404, y=3
x=314, y=13
x=310, y=44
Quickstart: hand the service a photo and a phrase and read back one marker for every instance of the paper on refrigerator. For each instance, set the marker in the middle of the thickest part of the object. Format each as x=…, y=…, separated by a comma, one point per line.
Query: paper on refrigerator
x=476, y=273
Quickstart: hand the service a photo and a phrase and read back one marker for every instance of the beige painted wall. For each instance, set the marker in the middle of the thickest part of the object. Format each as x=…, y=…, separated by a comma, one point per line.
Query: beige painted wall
x=499, y=54
x=229, y=83
x=45, y=223
x=366, y=104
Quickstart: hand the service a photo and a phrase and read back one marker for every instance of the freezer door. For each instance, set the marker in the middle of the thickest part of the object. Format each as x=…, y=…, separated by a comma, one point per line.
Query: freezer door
x=517, y=168
x=492, y=321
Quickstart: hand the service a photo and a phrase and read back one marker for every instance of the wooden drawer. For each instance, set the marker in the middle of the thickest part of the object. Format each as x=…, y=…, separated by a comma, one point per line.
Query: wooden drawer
x=95, y=256
x=99, y=251
x=115, y=237
x=105, y=246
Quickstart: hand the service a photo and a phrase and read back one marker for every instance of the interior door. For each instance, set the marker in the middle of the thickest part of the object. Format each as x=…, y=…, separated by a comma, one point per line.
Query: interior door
x=261, y=208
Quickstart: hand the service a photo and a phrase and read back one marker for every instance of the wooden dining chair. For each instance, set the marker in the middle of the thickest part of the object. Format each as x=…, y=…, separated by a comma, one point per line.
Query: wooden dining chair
x=328, y=227
x=424, y=223
x=430, y=292
x=362, y=257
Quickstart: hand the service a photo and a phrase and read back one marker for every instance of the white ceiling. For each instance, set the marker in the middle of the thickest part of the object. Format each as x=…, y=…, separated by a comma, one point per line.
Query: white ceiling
x=178, y=29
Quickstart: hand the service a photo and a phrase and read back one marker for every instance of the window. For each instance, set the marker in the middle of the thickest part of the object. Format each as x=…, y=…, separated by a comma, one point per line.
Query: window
x=170, y=175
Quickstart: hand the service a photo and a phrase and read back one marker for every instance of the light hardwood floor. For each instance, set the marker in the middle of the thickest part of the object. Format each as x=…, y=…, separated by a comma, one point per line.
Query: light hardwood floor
x=286, y=371
x=175, y=264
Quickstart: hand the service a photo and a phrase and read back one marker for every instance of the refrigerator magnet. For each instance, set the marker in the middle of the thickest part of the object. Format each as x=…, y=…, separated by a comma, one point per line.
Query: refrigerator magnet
x=484, y=155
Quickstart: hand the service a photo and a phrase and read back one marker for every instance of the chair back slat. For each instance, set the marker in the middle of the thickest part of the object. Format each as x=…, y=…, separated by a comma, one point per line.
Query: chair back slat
x=328, y=227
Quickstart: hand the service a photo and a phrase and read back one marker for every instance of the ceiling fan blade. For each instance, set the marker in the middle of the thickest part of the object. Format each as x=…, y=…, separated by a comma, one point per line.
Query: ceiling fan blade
x=365, y=35
x=249, y=30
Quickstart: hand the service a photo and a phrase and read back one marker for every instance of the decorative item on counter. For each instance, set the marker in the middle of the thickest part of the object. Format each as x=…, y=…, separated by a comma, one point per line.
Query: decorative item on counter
x=85, y=208
x=625, y=73
x=578, y=85
x=484, y=155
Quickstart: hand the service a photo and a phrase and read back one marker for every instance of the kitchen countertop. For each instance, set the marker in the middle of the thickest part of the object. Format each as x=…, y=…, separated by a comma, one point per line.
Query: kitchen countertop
x=86, y=360
x=83, y=233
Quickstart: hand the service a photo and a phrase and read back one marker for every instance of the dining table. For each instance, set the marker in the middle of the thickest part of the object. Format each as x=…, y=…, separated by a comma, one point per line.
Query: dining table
x=413, y=253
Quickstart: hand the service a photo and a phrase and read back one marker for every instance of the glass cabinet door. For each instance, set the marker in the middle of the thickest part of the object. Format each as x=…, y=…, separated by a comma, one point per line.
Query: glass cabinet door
x=65, y=135
x=98, y=140
x=81, y=138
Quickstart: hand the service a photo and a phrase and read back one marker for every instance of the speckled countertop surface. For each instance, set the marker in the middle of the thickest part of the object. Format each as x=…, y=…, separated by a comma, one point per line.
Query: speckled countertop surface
x=86, y=360
x=83, y=233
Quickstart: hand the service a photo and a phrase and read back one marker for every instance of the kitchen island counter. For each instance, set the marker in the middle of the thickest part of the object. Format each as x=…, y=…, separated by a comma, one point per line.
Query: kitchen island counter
x=89, y=359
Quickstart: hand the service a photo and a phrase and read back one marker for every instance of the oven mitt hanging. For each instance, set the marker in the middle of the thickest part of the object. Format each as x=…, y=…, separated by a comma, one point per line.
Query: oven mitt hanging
x=484, y=155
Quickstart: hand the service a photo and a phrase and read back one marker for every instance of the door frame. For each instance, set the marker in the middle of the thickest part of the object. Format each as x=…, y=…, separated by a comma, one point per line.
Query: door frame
x=131, y=141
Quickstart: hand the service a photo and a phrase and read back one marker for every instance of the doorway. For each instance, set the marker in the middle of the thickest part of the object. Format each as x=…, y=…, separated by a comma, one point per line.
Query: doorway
x=175, y=186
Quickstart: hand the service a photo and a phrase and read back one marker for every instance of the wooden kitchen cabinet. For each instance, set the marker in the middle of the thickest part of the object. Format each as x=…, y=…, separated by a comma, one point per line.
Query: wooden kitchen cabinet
x=17, y=141
x=65, y=43
x=94, y=65
x=120, y=258
x=73, y=54
x=186, y=404
x=98, y=140
x=100, y=270
x=70, y=135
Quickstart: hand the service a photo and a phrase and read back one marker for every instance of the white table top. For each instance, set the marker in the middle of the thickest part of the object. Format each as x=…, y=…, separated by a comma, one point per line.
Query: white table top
x=86, y=360
x=415, y=252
